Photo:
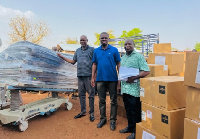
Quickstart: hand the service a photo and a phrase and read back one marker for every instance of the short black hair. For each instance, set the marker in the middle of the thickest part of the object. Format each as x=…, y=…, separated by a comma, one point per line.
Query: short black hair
x=104, y=33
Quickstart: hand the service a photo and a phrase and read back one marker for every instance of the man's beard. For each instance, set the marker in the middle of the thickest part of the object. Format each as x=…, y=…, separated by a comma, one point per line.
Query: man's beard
x=104, y=44
x=128, y=52
x=84, y=46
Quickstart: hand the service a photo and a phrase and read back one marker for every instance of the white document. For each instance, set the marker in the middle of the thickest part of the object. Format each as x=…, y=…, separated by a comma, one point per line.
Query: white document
x=146, y=135
x=160, y=60
x=198, y=133
x=125, y=72
x=198, y=72
x=165, y=67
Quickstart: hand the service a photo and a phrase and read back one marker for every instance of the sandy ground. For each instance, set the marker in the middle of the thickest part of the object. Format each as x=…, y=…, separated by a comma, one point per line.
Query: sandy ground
x=61, y=124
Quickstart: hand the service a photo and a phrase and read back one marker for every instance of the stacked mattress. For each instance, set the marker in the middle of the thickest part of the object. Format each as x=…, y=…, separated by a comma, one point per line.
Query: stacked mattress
x=31, y=65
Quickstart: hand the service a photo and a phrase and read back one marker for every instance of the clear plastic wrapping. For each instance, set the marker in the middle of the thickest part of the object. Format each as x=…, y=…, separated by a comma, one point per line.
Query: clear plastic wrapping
x=31, y=65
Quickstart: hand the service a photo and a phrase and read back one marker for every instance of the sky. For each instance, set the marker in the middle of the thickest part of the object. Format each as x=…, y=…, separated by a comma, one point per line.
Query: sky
x=176, y=21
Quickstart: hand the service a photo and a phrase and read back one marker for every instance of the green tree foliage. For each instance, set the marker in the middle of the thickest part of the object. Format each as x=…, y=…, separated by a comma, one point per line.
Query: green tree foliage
x=24, y=29
x=133, y=32
x=174, y=49
x=197, y=46
x=71, y=41
x=111, y=36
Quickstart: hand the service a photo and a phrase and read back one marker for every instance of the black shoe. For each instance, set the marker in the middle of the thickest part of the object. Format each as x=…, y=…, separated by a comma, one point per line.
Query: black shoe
x=132, y=136
x=112, y=126
x=126, y=130
x=79, y=115
x=101, y=123
x=92, y=118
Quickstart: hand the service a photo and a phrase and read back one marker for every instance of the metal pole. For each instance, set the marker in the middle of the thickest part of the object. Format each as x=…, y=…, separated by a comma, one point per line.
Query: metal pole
x=142, y=48
x=158, y=39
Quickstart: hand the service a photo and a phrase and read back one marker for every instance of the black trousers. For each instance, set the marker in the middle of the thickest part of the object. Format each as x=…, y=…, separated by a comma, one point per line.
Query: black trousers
x=133, y=110
x=102, y=88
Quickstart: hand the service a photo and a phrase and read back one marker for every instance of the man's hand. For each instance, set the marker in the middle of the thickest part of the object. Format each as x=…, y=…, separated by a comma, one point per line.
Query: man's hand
x=130, y=79
x=93, y=82
x=59, y=55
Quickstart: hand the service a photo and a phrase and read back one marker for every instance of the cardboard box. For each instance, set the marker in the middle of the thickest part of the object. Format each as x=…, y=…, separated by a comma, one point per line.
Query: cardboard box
x=193, y=104
x=174, y=61
x=192, y=69
x=182, y=73
x=191, y=129
x=169, y=124
x=165, y=92
x=182, y=53
x=121, y=111
x=157, y=70
x=176, y=74
x=162, y=48
x=145, y=133
x=120, y=101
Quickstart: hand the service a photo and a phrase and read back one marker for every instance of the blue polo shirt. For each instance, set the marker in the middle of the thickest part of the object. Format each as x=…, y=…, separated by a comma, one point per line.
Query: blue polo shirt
x=106, y=61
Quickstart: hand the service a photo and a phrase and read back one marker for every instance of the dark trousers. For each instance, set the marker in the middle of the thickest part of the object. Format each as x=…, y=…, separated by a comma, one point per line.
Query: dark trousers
x=102, y=88
x=84, y=84
x=133, y=110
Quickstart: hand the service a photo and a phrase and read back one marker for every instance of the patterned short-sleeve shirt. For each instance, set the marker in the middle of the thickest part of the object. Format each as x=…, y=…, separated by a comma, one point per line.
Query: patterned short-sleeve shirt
x=134, y=60
x=84, y=61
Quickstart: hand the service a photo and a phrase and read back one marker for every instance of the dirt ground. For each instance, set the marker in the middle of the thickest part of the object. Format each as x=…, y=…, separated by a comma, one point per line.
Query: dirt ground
x=62, y=125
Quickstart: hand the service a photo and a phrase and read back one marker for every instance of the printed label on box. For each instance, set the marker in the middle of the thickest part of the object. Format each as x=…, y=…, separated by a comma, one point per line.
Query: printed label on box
x=149, y=114
x=198, y=72
x=146, y=135
x=165, y=67
x=143, y=113
x=164, y=118
x=141, y=91
x=160, y=60
x=161, y=89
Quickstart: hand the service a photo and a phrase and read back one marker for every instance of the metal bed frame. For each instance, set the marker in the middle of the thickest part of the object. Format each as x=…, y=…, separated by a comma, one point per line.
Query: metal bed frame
x=19, y=115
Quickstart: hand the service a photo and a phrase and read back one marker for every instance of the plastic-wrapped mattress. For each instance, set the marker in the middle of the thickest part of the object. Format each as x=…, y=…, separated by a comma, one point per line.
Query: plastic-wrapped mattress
x=31, y=65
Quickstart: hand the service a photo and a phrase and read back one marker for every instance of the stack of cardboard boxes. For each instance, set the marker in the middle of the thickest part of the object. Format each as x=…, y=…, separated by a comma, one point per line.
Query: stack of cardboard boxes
x=163, y=63
x=192, y=80
x=163, y=107
x=163, y=98
x=172, y=61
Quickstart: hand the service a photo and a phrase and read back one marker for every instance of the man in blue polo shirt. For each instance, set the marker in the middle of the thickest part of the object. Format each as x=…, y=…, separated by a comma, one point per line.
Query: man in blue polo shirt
x=83, y=57
x=105, y=60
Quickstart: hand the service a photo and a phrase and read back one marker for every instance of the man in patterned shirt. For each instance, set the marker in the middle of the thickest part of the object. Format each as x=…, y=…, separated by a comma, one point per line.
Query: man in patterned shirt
x=83, y=57
x=131, y=88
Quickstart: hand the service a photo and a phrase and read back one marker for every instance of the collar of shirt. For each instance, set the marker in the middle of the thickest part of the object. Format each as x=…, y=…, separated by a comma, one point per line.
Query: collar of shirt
x=85, y=48
x=106, y=48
